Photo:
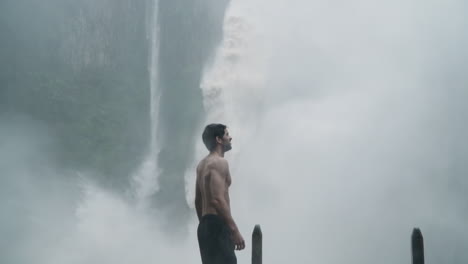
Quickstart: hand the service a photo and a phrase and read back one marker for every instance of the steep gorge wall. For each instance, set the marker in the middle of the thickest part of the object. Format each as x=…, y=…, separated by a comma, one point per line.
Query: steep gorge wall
x=81, y=67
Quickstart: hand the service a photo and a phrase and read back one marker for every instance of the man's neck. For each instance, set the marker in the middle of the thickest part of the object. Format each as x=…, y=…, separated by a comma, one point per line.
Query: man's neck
x=218, y=152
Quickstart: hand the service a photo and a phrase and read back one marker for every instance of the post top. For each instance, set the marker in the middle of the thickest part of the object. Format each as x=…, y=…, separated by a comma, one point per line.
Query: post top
x=257, y=230
x=417, y=232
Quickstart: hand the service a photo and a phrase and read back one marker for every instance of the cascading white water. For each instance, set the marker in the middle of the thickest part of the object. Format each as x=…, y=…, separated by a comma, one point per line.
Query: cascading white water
x=329, y=107
x=145, y=179
x=232, y=86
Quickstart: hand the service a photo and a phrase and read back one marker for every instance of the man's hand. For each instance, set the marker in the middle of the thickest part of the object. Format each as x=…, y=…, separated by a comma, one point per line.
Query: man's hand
x=238, y=240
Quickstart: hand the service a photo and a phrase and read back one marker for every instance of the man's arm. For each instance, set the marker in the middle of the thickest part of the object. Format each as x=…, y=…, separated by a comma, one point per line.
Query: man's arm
x=198, y=200
x=219, y=195
x=218, y=189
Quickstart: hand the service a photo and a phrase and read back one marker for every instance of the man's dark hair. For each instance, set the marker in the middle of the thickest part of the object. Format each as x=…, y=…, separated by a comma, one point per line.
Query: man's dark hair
x=210, y=133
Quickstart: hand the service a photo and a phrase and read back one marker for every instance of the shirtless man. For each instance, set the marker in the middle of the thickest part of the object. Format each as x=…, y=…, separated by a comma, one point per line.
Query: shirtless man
x=218, y=235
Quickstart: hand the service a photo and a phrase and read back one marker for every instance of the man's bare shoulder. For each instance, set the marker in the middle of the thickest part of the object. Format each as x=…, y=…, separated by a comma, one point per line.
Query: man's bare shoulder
x=200, y=165
x=218, y=163
x=210, y=162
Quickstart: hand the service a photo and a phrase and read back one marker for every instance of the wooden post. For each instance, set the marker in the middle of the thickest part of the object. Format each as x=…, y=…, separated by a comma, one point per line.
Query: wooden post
x=257, y=245
x=417, y=246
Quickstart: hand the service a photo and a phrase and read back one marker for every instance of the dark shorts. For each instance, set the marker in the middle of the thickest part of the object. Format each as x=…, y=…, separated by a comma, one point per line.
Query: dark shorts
x=214, y=239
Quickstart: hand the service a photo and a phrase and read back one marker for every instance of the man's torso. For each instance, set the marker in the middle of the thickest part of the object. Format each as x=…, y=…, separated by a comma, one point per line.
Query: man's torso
x=204, y=182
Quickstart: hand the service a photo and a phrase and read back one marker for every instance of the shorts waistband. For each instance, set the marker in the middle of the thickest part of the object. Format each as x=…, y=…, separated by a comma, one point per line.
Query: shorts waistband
x=210, y=216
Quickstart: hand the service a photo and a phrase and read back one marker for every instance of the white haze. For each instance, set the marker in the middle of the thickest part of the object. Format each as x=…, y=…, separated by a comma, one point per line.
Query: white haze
x=339, y=144
x=338, y=150
x=54, y=216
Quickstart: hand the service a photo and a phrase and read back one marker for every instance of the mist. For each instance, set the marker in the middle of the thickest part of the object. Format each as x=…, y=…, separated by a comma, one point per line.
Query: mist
x=347, y=121
x=346, y=125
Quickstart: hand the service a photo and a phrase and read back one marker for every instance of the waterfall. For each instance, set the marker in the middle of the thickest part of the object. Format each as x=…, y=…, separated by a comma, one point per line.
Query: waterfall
x=145, y=180
x=329, y=112
x=233, y=87
x=348, y=121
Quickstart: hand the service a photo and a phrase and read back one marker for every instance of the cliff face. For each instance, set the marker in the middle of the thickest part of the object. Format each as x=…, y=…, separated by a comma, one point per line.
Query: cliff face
x=81, y=67
x=189, y=34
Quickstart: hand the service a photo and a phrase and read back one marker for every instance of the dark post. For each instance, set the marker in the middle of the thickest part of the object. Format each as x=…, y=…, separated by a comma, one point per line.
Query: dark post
x=257, y=245
x=417, y=246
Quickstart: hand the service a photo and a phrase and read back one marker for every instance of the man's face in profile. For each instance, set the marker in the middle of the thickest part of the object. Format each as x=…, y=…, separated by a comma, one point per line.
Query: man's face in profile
x=226, y=141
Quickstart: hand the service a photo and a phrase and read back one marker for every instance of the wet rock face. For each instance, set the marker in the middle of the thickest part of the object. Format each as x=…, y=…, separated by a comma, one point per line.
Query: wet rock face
x=80, y=67
x=189, y=33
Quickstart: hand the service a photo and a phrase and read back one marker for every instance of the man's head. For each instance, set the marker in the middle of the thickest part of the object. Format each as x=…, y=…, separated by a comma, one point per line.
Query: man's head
x=217, y=134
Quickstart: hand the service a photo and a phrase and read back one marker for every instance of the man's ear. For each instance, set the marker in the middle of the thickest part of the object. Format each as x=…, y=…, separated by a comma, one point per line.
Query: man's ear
x=219, y=140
